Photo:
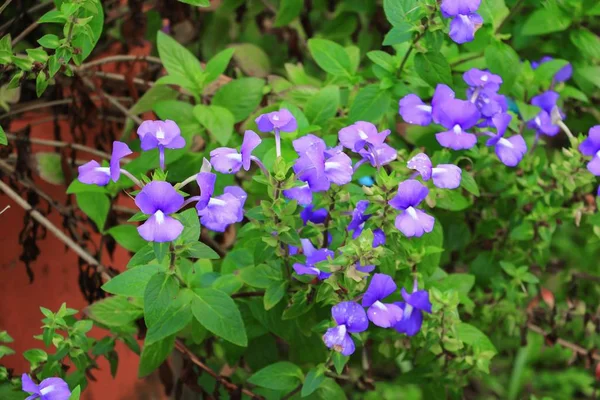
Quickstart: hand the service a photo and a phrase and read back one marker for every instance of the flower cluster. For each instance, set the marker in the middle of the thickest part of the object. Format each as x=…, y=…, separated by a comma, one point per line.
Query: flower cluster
x=403, y=316
x=465, y=21
x=485, y=108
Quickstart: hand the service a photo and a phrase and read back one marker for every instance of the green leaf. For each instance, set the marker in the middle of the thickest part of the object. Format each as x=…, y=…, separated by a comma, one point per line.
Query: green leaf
x=504, y=61
x=5, y=351
x=217, y=65
x=399, y=12
x=262, y=276
x=468, y=183
x=299, y=305
x=339, y=362
x=472, y=336
x=274, y=293
x=383, y=59
x=589, y=73
x=200, y=250
x=288, y=11
x=133, y=282
x=527, y=111
x=545, y=72
x=50, y=167
x=176, y=317
x=114, y=311
x=587, y=42
x=433, y=68
x=241, y=97
x=5, y=337
x=49, y=41
x=155, y=95
x=282, y=376
x=95, y=206
x=329, y=390
x=252, y=60
x=127, y=236
x=179, y=62
x=452, y=200
x=323, y=106
x=198, y=3
x=3, y=139
x=76, y=393
x=142, y=257
x=330, y=56
x=370, y=104
x=217, y=120
x=218, y=313
x=546, y=20
x=153, y=355
x=523, y=232
x=191, y=225
x=493, y=11
x=93, y=30
x=314, y=379
x=35, y=356
x=53, y=16
x=160, y=291
x=41, y=83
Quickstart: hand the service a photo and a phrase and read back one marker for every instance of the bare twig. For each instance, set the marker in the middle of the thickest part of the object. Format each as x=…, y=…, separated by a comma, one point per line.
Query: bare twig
x=571, y=346
x=55, y=230
x=25, y=32
x=53, y=103
x=6, y=3
x=56, y=143
x=118, y=58
x=33, y=9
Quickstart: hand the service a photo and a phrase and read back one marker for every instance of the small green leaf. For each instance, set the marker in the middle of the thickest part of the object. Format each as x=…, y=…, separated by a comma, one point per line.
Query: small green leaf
x=200, y=250
x=545, y=20
x=191, y=225
x=281, y=376
x=504, y=61
x=49, y=41
x=330, y=56
x=587, y=42
x=433, y=68
x=217, y=120
x=3, y=139
x=114, y=311
x=218, y=313
x=176, y=317
x=314, y=379
x=76, y=393
x=49, y=166
x=179, y=62
x=218, y=64
x=198, y=3
x=262, y=276
x=95, y=206
x=153, y=355
x=252, y=60
x=288, y=11
x=523, y=232
x=470, y=335
x=399, y=12
x=468, y=183
x=398, y=34
x=127, y=236
x=274, y=293
x=132, y=282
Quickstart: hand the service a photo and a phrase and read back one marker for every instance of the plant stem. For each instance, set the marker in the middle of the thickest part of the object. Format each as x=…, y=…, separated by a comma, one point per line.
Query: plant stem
x=513, y=11
x=415, y=41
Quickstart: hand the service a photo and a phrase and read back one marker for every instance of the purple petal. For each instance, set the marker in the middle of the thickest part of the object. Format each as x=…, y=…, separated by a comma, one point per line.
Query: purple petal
x=160, y=228
x=543, y=124
x=28, y=384
x=159, y=196
x=338, y=168
x=149, y=142
x=379, y=155
x=456, y=139
x=463, y=27
x=365, y=268
x=384, y=315
x=510, y=151
x=319, y=255
x=378, y=238
x=226, y=160
x=177, y=142
x=282, y=120
x=355, y=136
x=411, y=320
x=441, y=94
x=546, y=101
x=301, y=269
x=352, y=315
x=239, y=194
x=315, y=216
x=410, y=193
x=302, y=144
x=501, y=122
x=594, y=166
x=453, y=112
x=54, y=389
x=419, y=299
x=338, y=339
x=564, y=74
x=302, y=194
x=165, y=133
x=414, y=222
x=451, y=8
x=414, y=111
x=422, y=164
x=446, y=176
x=358, y=218
x=220, y=212
x=92, y=173
x=307, y=247
x=119, y=151
x=381, y=286
x=482, y=79
x=591, y=145
x=206, y=182
x=251, y=141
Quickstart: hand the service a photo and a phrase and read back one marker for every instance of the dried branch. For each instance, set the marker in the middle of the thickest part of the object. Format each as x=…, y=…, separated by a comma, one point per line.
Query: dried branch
x=56, y=143
x=118, y=58
x=571, y=346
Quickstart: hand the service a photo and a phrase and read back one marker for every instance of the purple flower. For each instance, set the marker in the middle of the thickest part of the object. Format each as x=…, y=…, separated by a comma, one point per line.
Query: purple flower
x=48, y=389
x=216, y=213
x=281, y=121
x=457, y=116
x=92, y=173
x=414, y=111
x=489, y=103
x=315, y=216
x=159, y=199
x=302, y=194
x=482, y=79
x=228, y=161
x=356, y=136
x=591, y=147
x=452, y=8
x=162, y=135
x=542, y=123
x=546, y=101
x=564, y=74
x=350, y=317
x=411, y=221
x=412, y=310
x=510, y=151
x=365, y=268
x=381, y=314
x=313, y=256
x=379, y=155
x=463, y=27
x=378, y=237
x=357, y=223
x=445, y=176
x=320, y=167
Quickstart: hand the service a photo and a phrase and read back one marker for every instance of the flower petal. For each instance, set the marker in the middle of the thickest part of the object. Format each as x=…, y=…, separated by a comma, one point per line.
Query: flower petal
x=446, y=176
x=414, y=222
x=54, y=389
x=380, y=287
x=409, y=324
x=352, y=315
x=419, y=299
x=591, y=145
x=92, y=173
x=511, y=151
x=251, y=141
x=302, y=194
x=160, y=228
x=159, y=195
x=414, y=111
x=28, y=384
x=410, y=193
x=226, y=160
x=384, y=315
x=206, y=182
x=119, y=151
x=456, y=141
x=422, y=164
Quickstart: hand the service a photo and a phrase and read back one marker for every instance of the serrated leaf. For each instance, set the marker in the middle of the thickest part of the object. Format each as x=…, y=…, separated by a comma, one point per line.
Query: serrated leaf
x=433, y=68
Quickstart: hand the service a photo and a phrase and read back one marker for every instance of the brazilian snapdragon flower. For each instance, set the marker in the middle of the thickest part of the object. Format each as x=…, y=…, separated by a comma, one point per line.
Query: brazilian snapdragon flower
x=218, y=212
x=363, y=138
x=92, y=173
x=309, y=214
x=159, y=199
x=414, y=111
x=160, y=135
x=542, y=122
x=350, y=317
x=509, y=150
x=313, y=256
x=489, y=103
x=229, y=161
x=384, y=315
x=591, y=147
x=357, y=224
x=445, y=176
x=563, y=74
x=318, y=167
x=412, y=310
x=465, y=20
x=277, y=122
x=48, y=389
x=412, y=221
x=482, y=79
x=457, y=116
